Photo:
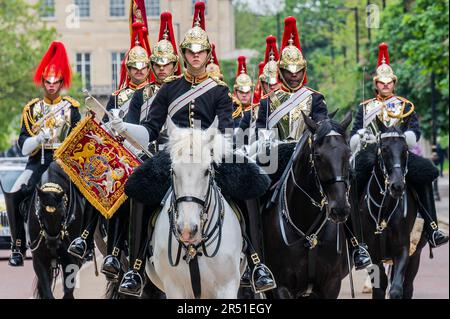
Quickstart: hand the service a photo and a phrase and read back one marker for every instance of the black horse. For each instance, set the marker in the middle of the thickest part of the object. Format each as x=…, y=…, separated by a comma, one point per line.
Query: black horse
x=388, y=210
x=304, y=242
x=54, y=219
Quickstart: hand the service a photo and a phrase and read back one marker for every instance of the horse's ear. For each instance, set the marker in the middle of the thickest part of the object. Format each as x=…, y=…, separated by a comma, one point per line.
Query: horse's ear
x=380, y=125
x=332, y=114
x=405, y=124
x=171, y=127
x=347, y=120
x=310, y=123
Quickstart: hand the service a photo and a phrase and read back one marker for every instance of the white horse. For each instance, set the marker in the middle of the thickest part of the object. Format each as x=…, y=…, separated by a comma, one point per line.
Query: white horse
x=196, y=227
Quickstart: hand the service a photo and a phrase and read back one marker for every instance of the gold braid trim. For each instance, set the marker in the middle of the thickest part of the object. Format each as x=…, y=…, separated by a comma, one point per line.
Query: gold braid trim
x=72, y=101
x=76, y=179
x=27, y=117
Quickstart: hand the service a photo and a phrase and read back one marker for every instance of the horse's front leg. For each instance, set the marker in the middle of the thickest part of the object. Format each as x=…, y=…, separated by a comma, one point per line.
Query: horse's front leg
x=379, y=281
x=400, y=265
x=70, y=267
x=42, y=269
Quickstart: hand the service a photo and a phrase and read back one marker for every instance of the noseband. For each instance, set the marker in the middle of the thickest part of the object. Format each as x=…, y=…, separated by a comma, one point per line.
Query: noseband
x=208, y=231
x=43, y=233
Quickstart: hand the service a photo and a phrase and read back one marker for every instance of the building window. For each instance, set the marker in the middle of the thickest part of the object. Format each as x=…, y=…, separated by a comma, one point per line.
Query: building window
x=117, y=8
x=152, y=8
x=84, y=8
x=47, y=9
x=84, y=68
x=116, y=58
x=206, y=5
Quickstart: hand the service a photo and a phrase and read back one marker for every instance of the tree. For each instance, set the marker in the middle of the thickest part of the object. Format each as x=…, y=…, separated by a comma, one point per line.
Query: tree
x=23, y=41
x=418, y=38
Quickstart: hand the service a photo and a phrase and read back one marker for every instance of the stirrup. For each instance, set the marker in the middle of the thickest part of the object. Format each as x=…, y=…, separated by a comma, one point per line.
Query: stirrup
x=258, y=266
x=360, y=246
x=110, y=275
x=432, y=240
x=75, y=254
x=132, y=273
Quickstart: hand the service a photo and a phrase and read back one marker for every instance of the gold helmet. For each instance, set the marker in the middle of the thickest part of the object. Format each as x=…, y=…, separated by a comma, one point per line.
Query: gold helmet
x=384, y=72
x=137, y=57
x=243, y=81
x=270, y=70
x=165, y=50
x=291, y=58
x=196, y=39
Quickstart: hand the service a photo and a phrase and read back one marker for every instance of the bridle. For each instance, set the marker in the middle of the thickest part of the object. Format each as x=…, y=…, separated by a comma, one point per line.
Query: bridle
x=312, y=234
x=209, y=231
x=43, y=232
x=381, y=224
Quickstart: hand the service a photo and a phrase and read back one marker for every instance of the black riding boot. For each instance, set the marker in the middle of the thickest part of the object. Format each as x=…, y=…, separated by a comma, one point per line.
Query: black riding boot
x=359, y=250
x=261, y=277
x=353, y=230
x=133, y=281
x=117, y=228
x=14, y=202
x=81, y=245
x=436, y=237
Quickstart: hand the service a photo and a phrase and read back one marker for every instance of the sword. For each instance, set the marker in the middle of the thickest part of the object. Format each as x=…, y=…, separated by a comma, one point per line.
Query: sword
x=120, y=114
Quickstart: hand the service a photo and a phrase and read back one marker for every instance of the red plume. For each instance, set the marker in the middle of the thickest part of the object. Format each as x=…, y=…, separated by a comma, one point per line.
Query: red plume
x=271, y=46
x=140, y=4
x=260, y=68
x=383, y=53
x=54, y=61
x=290, y=30
x=241, y=65
x=257, y=92
x=199, y=12
x=166, y=23
x=213, y=48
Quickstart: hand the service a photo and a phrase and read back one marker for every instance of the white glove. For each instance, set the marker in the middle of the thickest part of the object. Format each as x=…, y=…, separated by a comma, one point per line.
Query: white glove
x=32, y=143
x=118, y=125
x=366, y=136
x=411, y=139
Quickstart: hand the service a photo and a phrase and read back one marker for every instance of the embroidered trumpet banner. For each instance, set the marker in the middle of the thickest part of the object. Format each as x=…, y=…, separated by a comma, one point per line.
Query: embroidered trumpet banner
x=98, y=164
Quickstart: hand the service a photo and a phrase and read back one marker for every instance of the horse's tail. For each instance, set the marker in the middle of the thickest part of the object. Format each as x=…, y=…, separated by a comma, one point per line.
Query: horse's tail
x=112, y=290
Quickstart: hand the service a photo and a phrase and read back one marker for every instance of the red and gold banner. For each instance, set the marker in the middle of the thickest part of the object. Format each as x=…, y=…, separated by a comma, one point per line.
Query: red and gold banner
x=98, y=164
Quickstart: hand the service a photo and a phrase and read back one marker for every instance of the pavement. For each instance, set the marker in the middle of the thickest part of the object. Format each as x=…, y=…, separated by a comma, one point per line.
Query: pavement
x=432, y=280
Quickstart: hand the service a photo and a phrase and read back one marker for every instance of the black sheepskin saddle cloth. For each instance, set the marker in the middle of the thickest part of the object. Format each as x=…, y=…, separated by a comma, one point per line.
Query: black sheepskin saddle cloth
x=420, y=170
x=241, y=180
x=284, y=152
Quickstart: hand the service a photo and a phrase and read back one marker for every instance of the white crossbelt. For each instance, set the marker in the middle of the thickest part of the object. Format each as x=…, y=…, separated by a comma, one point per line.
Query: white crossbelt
x=190, y=95
x=293, y=101
x=145, y=107
x=369, y=116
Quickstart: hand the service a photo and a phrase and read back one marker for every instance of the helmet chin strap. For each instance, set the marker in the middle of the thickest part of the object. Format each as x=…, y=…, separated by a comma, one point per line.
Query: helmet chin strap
x=189, y=66
x=287, y=85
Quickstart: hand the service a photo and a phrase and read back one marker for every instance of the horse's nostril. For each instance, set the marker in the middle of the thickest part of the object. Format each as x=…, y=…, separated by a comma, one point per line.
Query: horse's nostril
x=194, y=230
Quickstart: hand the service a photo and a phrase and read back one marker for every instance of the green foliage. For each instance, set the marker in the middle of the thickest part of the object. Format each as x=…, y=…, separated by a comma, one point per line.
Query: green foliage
x=24, y=39
x=418, y=48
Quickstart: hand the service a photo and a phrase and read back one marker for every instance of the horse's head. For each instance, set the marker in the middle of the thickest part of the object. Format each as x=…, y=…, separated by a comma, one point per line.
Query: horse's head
x=393, y=157
x=51, y=207
x=330, y=155
x=193, y=153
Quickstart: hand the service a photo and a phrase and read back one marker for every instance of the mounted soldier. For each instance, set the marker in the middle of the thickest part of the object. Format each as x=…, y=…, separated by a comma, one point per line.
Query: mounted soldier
x=391, y=109
x=282, y=108
x=243, y=92
x=192, y=100
x=46, y=122
x=135, y=75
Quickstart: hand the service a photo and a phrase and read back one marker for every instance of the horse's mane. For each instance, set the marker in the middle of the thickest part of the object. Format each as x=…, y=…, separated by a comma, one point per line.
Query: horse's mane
x=187, y=145
x=326, y=127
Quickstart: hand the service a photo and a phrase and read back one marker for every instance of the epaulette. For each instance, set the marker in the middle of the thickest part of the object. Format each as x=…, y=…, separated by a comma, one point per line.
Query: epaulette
x=404, y=100
x=118, y=91
x=312, y=90
x=366, y=101
x=72, y=101
x=27, y=119
x=219, y=81
x=172, y=78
